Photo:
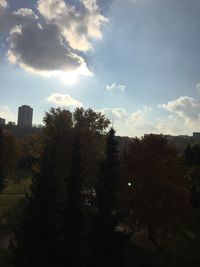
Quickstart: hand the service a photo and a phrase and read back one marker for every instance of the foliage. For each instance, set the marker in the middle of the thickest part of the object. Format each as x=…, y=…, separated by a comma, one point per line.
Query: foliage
x=86, y=199
x=10, y=151
x=50, y=219
x=92, y=126
x=72, y=223
x=57, y=120
x=107, y=218
x=90, y=120
x=192, y=160
x=31, y=148
x=2, y=166
x=35, y=233
x=192, y=155
x=157, y=195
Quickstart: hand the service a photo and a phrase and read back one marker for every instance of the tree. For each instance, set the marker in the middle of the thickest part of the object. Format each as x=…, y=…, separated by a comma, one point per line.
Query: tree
x=192, y=161
x=92, y=126
x=10, y=151
x=72, y=223
x=37, y=235
x=31, y=148
x=91, y=120
x=107, y=197
x=156, y=185
x=58, y=131
x=192, y=155
x=50, y=223
x=2, y=172
x=57, y=120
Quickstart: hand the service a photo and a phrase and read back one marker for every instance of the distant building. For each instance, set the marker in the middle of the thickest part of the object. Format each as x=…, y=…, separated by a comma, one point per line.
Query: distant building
x=25, y=116
x=2, y=121
x=196, y=134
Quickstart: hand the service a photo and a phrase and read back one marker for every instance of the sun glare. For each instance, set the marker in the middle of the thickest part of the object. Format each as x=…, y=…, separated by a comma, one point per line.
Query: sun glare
x=72, y=77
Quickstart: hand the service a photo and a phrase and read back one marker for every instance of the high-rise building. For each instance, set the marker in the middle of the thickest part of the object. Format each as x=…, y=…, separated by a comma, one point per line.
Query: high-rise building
x=25, y=116
x=2, y=121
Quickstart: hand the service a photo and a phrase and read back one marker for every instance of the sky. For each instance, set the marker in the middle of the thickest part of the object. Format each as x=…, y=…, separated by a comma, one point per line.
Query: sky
x=136, y=61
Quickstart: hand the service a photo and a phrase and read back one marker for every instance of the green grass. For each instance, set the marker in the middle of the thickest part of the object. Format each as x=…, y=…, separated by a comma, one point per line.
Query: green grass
x=10, y=197
x=13, y=193
x=18, y=181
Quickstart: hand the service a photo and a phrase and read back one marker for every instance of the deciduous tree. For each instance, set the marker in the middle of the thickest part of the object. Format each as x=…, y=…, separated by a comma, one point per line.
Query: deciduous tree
x=157, y=194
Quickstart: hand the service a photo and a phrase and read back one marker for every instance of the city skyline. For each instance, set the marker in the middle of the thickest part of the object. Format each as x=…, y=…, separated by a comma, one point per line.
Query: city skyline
x=137, y=61
x=26, y=120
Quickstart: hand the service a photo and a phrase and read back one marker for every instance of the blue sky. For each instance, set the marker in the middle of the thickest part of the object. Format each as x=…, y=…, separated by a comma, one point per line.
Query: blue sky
x=137, y=61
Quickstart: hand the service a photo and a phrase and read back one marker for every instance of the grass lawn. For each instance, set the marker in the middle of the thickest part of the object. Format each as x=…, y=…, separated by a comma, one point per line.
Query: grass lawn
x=12, y=194
x=18, y=181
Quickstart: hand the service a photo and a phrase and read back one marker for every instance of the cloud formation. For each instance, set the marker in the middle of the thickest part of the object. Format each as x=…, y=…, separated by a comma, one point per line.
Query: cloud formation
x=198, y=86
x=133, y=124
x=63, y=100
x=139, y=116
x=54, y=41
x=186, y=108
x=78, y=23
x=115, y=113
x=5, y=113
x=41, y=49
x=3, y=3
x=115, y=87
x=184, y=118
x=8, y=19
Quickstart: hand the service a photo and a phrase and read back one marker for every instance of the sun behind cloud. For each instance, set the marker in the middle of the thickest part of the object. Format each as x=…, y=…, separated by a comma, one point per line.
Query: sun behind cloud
x=53, y=42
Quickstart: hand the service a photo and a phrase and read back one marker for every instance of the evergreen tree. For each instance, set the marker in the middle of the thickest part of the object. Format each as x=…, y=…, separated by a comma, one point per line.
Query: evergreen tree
x=2, y=172
x=72, y=223
x=36, y=235
x=39, y=234
x=107, y=196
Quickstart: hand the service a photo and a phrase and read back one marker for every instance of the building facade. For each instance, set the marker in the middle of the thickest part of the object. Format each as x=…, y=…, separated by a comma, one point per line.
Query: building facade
x=25, y=116
x=2, y=121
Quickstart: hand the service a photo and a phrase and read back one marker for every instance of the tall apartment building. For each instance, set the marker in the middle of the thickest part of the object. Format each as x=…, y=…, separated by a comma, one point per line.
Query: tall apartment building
x=25, y=116
x=2, y=121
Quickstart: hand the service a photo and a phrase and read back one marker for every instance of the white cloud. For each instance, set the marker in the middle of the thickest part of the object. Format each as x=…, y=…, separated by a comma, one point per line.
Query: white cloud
x=186, y=108
x=78, y=23
x=171, y=125
x=115, y=113
x=133, y=124
x=115, y=87
x=63, y=100
x=25, y=12
x=198, y=86
x=139, y=116
x=5, y=113
x=184, y=118
x=3, y=4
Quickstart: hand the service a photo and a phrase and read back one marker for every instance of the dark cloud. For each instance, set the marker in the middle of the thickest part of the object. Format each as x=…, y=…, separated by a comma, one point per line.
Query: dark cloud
x=9, y=19
x=41, y=48
x=55, y=37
